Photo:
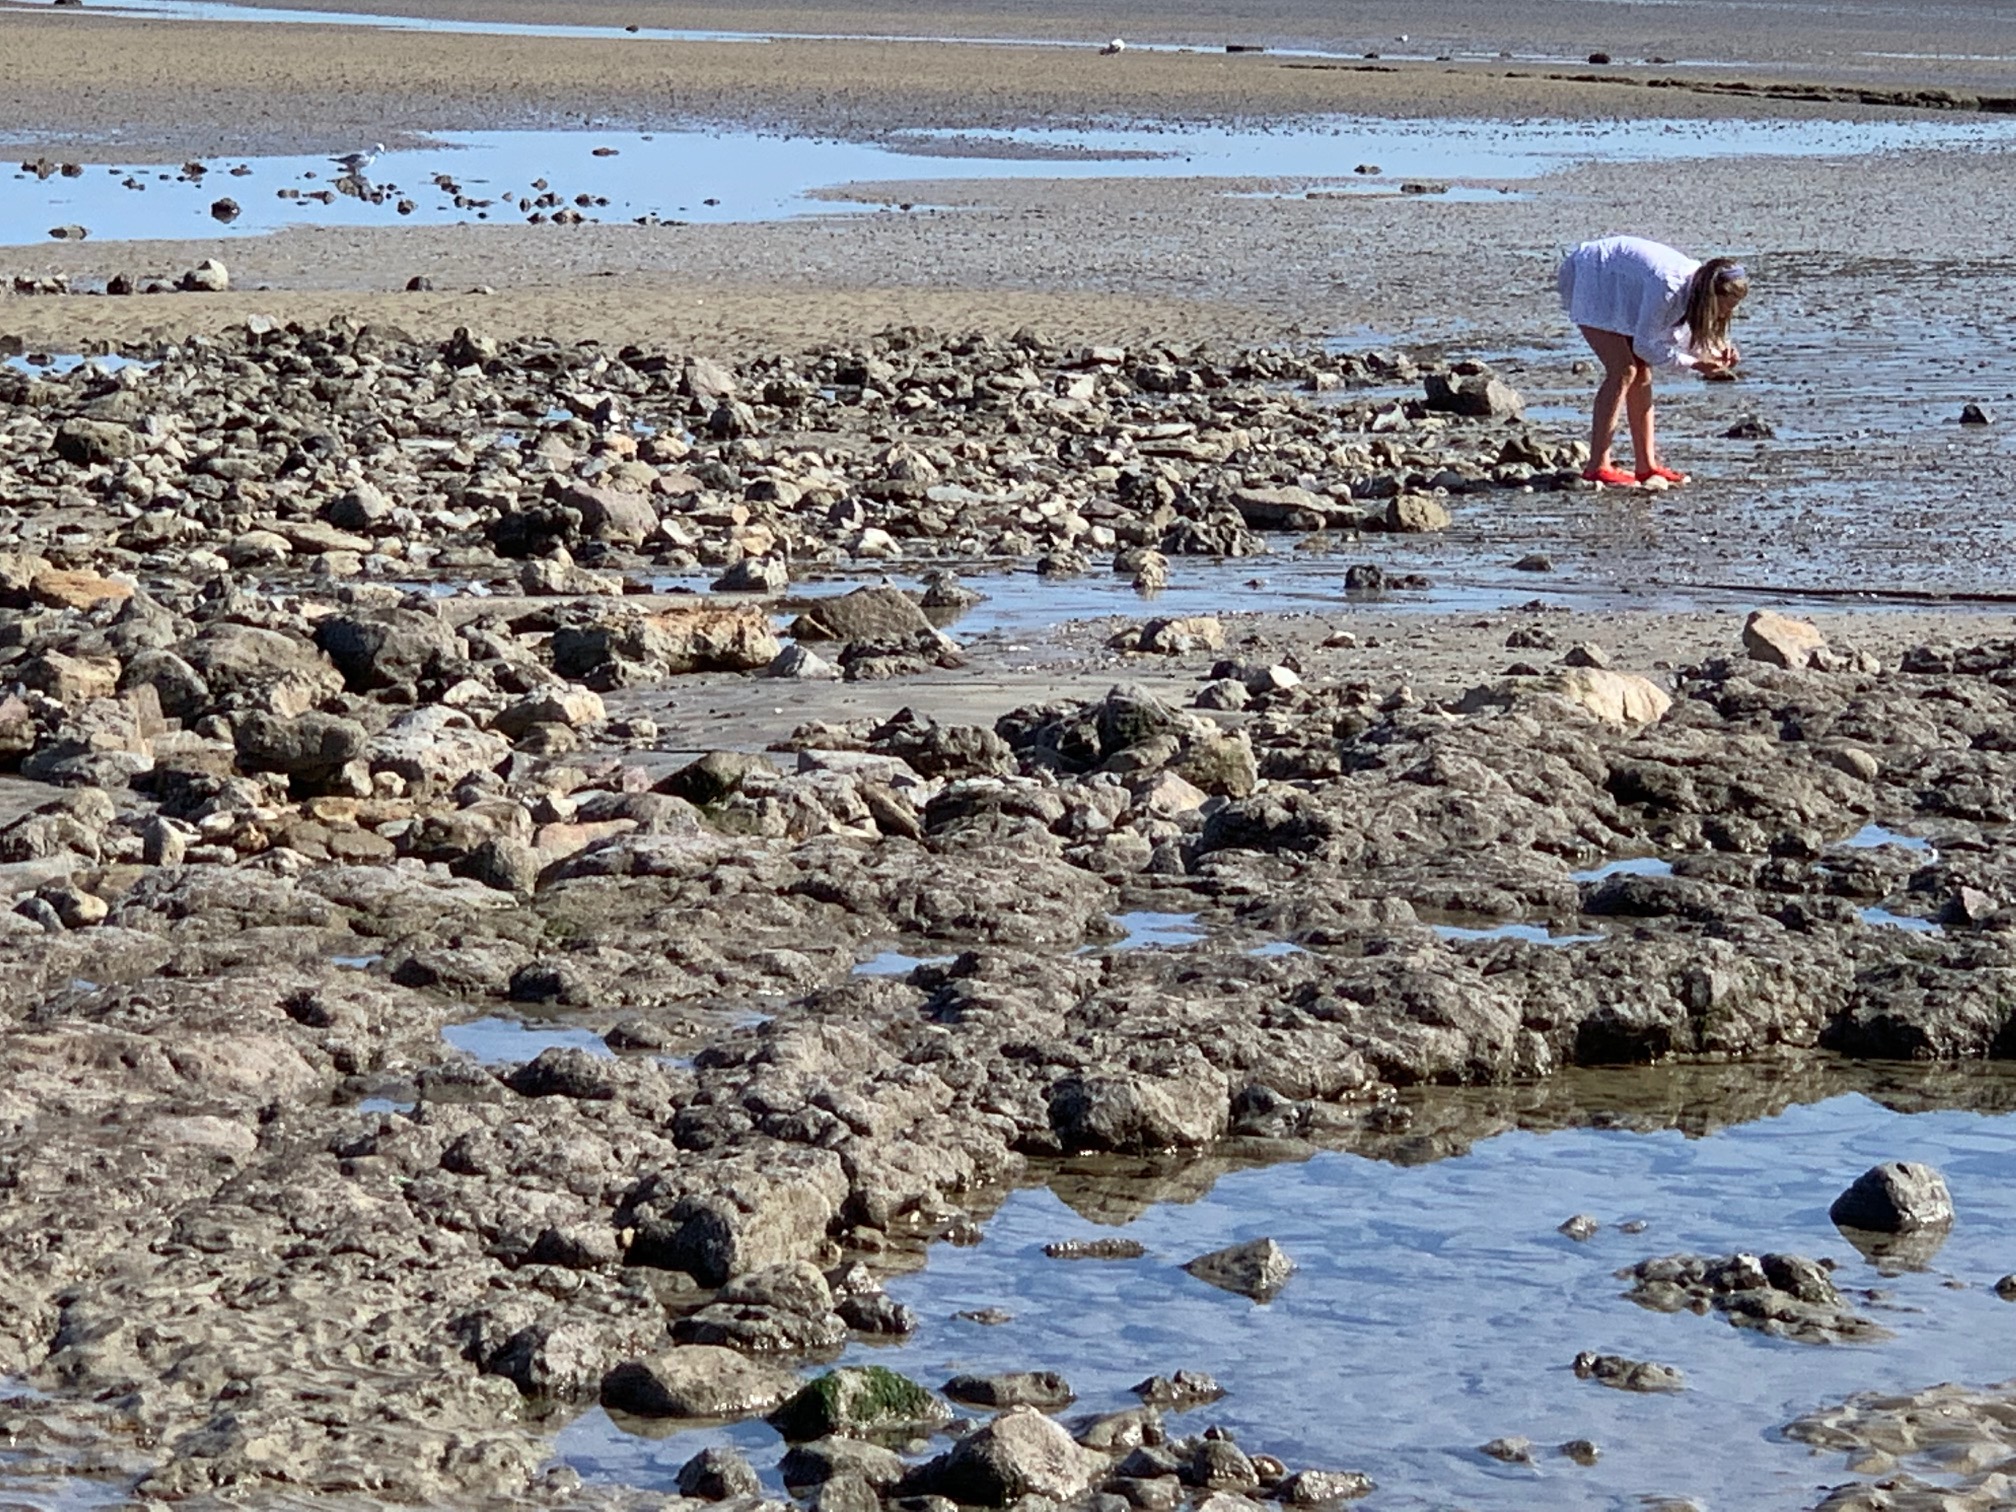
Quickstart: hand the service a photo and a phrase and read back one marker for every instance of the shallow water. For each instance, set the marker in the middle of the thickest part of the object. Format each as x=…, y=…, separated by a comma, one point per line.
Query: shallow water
x=1533, y=934
x=747, y=175
x=1436, y=1307
x=507, y=1042
x=1168, y=931
x=895, y=963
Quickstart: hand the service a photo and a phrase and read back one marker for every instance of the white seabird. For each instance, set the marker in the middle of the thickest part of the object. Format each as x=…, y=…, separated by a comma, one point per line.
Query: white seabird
x=1115, y=46
x=357, y=162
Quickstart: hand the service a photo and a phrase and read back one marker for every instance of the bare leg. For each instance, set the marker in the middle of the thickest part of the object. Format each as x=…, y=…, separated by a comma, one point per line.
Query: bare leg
x=1638, y=406
x=1620, y=365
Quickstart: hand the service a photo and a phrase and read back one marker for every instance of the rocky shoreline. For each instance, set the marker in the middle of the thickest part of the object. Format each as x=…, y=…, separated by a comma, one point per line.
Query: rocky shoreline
x=283, y=814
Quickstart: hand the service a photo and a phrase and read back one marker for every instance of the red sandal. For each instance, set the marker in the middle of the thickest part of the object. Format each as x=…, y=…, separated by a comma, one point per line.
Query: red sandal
x=1616, y=477
x=1665, y=473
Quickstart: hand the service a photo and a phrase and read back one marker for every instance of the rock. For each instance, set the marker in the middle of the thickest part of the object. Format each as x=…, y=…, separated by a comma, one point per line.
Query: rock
x=363, y=508
x=69, y=233
x=1179, y=637
x=1317, y=1488
x=1095, y=1249
x=387, y=649
x=1137, y=1114
x=610, y=514
x=855, y=1400
x=1975, y=414
x=1290, y=509
x=821, y=1460
x=76, y=590
x=1628, y=1375
x=434, y=747
x=1416, y=513
x=225, y=210
x=1585, y=654
x=1622, y=698
x=1896, y=1197
x=1043, y=1389
x=718, y=1473
x=1781, y=640
x=1478, y=395
x=796, y=661
x=762, y=574
x=1180, y=1392
x=1256, y=1269
x=92, y=442
x=312, y=747
x=207, y=277
x=711, y=778
x=1511, y=1451
x=1020, y=1453
x=1751, y=428
x=504, y=863
x=865, y=614
x=1220, y=1466
x=1580, y=1227
x=576, y=708
x=697, y=1381
x=1583, y=1451
x=1786, y=1296
x=71, y=680
x=1534, y=561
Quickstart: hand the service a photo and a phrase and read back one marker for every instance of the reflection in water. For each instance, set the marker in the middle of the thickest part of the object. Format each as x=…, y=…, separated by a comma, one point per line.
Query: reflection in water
x=1436, y=1306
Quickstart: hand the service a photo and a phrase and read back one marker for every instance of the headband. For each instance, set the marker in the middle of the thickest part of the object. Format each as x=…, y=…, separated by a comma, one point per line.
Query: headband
x=1734, y=273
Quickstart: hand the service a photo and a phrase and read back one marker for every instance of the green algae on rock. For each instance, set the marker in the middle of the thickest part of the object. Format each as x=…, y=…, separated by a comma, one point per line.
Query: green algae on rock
x=859, y=1399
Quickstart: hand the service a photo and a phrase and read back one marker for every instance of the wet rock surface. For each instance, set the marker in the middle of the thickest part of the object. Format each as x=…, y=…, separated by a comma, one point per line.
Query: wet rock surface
x=250, y=748
x=1787, y=1296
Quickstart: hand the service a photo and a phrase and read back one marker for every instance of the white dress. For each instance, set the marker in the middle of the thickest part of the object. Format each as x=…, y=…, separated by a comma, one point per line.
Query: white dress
x=1636, y=288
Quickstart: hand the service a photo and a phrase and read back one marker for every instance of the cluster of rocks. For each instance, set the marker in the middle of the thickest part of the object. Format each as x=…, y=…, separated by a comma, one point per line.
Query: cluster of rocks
x=1787, y=1296
x=845, y=1429
x=252, y=761
x=1944, y=1449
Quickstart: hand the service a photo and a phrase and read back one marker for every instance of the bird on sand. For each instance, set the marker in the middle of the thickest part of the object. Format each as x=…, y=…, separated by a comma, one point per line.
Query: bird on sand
x=357, y=162
x=1115, y=46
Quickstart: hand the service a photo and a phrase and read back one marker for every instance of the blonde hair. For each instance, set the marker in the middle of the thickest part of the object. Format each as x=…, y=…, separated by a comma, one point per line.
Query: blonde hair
x=1717, y=287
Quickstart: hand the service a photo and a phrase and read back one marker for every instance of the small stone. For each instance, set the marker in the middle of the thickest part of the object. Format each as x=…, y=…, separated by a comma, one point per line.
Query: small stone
x=1751, y=428
x=1896, y=1197
x=1182, y=1391
x=1256, y=1269
x=1045, y=1389
x=717, y=1474
x=1511, y=1451
x=1583, y=1451
x=986, y=1317
x=1095, y=1249
x=1976, y=414
x=1628, y=1375
x=1586, y=654
x=795, y=661
x=2006, y=1288
x=225, y=210
x=1534, y=562
x=1317, y=1488
x=1580, y=1227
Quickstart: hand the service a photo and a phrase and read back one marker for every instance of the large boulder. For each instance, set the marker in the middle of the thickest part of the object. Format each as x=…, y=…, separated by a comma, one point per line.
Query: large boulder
x=311, y=747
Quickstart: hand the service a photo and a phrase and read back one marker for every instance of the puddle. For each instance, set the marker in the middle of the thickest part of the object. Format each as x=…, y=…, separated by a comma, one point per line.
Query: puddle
x=1535, y=934
x=1436, y=1307
x=43, y=364
x=1168, y=930
x=1871, y=836
x=384, y=1105
x=356, y=962
x=752, y=176
x=1633, y=866
x=1882, y=918
x=506, y=1042
x=1278, y=948
x=895, y=963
